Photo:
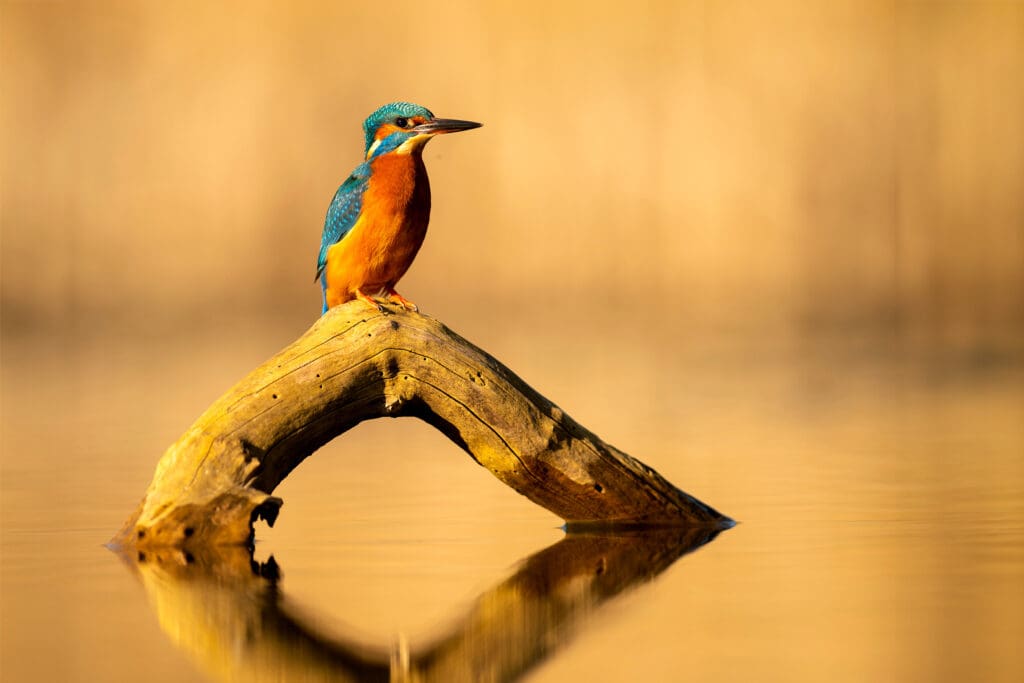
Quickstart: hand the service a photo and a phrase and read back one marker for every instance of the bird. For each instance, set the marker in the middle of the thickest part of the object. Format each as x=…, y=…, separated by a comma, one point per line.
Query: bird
x=378, y=218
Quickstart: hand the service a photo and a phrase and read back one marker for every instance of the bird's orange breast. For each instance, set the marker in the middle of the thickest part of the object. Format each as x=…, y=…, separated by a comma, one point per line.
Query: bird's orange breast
x=388, y=233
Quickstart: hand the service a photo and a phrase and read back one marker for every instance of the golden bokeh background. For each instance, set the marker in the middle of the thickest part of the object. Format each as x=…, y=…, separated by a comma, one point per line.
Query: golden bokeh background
x=751, y=166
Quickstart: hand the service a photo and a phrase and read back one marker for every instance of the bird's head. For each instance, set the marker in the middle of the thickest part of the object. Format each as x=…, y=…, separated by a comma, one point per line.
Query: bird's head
x=404, y=128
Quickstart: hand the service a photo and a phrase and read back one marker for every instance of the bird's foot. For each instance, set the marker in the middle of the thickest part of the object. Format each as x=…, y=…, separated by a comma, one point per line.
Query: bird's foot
x=397, y=298
x=370, y=300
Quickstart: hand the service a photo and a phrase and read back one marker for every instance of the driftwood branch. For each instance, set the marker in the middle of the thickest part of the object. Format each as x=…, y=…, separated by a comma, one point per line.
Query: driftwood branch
x=355, y=364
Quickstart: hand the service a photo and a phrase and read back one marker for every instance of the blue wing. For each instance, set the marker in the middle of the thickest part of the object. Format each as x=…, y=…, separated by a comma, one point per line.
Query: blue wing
x=342, y=214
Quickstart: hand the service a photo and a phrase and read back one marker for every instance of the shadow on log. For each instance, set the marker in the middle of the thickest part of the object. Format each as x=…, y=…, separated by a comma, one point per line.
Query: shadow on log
x=229, y=614
x=356, y=364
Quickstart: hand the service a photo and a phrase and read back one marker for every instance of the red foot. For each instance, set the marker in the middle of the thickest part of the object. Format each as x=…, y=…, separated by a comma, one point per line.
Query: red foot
x=370, y=300
x=397, y=298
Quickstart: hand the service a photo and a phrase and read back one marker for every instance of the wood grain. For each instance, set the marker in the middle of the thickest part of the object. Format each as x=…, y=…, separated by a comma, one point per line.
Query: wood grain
x=356, y=364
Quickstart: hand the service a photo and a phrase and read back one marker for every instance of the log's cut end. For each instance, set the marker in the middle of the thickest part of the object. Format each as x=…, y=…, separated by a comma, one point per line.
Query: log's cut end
x=356, y=364
x=226, y=519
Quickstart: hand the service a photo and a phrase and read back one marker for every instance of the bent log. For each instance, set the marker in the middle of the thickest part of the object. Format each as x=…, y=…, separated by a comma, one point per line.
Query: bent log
x=356, y=364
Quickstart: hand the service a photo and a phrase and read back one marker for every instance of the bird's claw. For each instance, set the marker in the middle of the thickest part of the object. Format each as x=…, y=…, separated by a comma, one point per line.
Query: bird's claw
x=395, y=297
x=372, y=302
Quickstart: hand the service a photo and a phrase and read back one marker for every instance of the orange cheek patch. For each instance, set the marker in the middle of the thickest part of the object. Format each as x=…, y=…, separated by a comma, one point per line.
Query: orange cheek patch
x=384, y=131
x=387, y=129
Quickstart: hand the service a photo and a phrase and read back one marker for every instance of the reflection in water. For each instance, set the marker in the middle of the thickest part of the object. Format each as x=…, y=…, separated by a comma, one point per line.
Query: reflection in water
x=227, y=612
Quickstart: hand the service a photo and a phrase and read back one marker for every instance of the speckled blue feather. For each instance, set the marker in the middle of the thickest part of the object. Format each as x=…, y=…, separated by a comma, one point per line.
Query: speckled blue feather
x=342, y=214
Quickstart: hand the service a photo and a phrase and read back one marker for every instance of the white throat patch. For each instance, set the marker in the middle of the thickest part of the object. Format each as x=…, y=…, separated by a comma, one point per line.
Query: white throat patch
x=373, y=148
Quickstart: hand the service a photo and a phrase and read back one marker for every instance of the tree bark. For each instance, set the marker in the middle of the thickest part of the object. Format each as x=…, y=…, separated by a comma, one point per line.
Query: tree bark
x=356, y=364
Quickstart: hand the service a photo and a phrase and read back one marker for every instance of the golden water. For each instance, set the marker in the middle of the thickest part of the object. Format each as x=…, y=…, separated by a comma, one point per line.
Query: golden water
x=879, y=490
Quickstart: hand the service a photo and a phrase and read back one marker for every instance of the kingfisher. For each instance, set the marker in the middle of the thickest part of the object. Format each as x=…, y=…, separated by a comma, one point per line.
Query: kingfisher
x=378, y=218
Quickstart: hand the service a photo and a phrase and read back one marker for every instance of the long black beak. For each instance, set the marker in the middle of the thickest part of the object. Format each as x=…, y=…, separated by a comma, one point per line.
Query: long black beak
x=439, y=126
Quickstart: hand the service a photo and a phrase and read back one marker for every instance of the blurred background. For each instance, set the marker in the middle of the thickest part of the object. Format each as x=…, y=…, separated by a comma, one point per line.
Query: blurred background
x=774, y=249
x=751, y=165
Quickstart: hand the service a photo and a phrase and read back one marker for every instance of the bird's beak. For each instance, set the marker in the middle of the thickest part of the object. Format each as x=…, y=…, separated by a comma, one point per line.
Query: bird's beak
x=440, y=126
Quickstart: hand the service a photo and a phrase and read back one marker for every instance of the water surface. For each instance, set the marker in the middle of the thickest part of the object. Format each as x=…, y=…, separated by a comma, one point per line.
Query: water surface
x=879, y=489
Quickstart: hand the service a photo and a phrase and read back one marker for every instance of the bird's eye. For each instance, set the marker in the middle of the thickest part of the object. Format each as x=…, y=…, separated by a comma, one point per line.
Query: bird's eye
x=402, y=122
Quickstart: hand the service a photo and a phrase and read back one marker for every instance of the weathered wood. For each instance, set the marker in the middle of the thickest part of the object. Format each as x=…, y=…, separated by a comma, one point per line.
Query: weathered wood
x=356, y=364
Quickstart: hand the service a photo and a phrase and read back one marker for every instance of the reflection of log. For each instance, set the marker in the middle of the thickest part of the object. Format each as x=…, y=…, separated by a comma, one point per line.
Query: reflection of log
x=520, y=622
x=356, y=364
x=230, y=616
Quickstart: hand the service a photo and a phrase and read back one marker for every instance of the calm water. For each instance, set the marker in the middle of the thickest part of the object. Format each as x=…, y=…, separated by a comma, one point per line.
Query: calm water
x=880, y=491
